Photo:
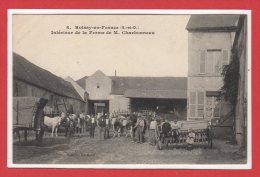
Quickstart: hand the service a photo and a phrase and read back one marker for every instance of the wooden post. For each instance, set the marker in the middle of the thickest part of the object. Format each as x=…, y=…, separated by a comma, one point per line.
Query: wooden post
x=57, y=106
x=17, y=112
x=65, y=105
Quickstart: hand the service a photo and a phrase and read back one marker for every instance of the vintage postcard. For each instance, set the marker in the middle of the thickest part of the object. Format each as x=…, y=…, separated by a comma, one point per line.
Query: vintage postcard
x=131, y=89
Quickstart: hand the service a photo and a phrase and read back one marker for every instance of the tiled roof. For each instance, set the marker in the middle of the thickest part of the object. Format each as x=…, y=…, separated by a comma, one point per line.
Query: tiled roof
x=212, y=22
x=30, y=73
x=121, y=84
x=162, y=94
x=160, y=87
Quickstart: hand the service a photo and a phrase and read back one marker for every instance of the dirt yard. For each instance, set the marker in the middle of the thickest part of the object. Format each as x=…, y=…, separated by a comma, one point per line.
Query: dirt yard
x=84, y=150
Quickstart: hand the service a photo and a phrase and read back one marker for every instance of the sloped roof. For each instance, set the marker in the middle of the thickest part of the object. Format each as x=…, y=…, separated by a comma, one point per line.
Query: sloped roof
x=121, y=84
x=82, y=82
x=32, y=74
x=162, y=94
x=154, y=87
x=215, y=22
x=77, y=87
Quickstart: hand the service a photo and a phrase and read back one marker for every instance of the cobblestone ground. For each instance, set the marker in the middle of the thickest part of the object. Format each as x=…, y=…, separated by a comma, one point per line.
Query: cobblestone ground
x=85, y=150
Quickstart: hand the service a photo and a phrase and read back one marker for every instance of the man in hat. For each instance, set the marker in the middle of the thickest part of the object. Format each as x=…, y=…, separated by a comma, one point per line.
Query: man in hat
x=175, y=129
x=92, y=126
x=152, y=131
x=140, y=128
x=107, y=126
x=101, y=126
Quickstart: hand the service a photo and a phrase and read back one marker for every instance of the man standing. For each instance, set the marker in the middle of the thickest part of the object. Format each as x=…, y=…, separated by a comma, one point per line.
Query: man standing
x=140, y=128
x=107, y=126
x=175, y=129
x=152, y=131
x=101, y=126
x=92, y=126
x=166, y=130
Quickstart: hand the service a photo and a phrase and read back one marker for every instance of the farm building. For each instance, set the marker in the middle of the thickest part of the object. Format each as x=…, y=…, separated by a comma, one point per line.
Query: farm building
x=239, y=53
x=124, y=94
x=210, y=40
x=31, y=80
x=216, y=41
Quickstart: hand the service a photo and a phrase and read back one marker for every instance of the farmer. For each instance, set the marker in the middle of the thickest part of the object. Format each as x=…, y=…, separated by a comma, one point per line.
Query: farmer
x=107, y=126
x=92, y=126
x=78, y=124
x=175, y=130
x=166, y=129
x=152, y=131
x=101, y=126
x=140, y=128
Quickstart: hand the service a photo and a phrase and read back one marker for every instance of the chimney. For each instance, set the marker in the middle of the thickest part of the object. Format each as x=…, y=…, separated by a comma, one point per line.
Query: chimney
x=115, y=72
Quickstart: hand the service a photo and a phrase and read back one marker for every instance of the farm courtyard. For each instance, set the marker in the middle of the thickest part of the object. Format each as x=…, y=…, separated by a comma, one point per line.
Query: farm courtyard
x=85, y=150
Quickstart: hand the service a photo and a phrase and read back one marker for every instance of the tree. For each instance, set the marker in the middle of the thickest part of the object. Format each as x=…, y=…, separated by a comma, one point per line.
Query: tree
x=229, y=90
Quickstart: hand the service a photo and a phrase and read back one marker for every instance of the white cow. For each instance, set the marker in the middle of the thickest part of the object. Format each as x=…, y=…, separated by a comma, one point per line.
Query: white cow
x=54, y=122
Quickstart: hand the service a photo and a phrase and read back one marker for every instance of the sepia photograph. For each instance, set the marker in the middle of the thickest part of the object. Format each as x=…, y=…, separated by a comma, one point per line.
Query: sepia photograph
x=129, y=89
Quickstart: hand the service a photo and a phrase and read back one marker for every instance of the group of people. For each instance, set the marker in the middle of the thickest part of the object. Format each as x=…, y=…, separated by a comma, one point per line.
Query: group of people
x=136, y=125
x=169, y=129
x=133, y=125
x=103, y=123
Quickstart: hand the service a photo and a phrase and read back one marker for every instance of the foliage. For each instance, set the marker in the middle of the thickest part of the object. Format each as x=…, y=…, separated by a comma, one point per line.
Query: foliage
x=231, y=78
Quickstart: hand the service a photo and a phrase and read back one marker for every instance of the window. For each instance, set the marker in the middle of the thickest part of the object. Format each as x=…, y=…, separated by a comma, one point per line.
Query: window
x=213, y=65
x=200, y=104
x=213, y=105
x=197, y=104
x=212, y=61
x=202, y=61
x=193, y=104
x=98, y=86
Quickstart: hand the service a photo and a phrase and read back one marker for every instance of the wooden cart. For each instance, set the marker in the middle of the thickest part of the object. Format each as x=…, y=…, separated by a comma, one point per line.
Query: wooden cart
x=28, y=115
x=177, y=138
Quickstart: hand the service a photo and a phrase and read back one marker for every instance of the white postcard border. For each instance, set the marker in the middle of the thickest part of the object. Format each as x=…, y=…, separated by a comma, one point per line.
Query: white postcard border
x=10, y=163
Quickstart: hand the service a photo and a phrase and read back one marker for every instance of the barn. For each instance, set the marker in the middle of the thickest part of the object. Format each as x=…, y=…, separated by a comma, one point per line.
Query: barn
x=31, y=80
x=135, y=94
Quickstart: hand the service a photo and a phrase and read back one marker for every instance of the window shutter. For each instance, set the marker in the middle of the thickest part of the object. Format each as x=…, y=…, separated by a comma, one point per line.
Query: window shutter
x=193, y=101
x=200, y=110
x=202, y=61
x=201, y=98
x=192, y=97
x=225, y=57
x=192, y=110
x=200, y=107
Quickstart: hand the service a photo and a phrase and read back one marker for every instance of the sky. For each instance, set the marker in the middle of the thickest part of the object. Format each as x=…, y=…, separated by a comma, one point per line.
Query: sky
x=164, y=53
